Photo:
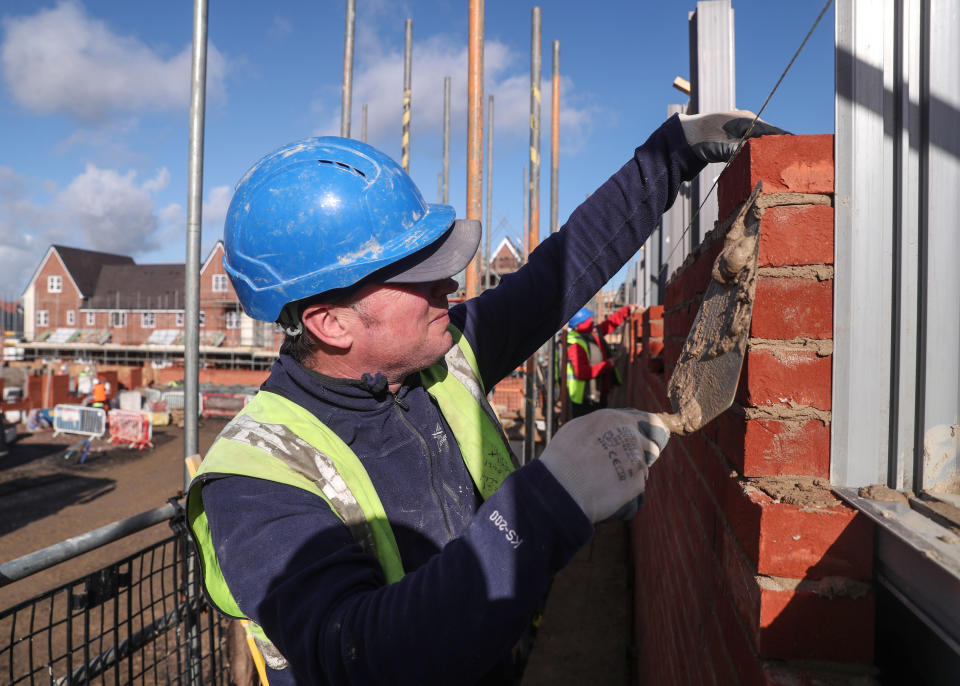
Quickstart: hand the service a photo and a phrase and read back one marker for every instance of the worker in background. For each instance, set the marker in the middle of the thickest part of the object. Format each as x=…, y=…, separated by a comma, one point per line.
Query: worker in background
x=364, y=509
x=590, y=371
x=99, y=394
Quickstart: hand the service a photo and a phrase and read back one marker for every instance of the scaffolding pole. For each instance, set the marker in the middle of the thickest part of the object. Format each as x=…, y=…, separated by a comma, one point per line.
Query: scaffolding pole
x=474, y=131
x=345, y=103
x=533, y=225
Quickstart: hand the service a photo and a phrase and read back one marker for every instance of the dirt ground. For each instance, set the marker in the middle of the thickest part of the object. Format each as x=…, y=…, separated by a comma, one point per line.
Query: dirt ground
x=45, y=499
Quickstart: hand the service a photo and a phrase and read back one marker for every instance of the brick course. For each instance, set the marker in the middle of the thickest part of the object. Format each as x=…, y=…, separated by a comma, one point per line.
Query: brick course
x=732, y=584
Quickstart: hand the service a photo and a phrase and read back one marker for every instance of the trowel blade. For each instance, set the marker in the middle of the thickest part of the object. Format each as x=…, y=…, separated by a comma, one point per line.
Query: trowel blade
x=704, y=382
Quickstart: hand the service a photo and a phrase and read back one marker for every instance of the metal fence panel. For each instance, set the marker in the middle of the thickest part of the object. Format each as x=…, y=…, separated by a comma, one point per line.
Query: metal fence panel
x=80, y=420
x=123, y=624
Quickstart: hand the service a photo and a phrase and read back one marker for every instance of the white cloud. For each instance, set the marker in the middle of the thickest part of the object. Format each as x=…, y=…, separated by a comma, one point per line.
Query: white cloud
x=215, y=209
x=110, y=209
x=158, y=182
x=62, y=60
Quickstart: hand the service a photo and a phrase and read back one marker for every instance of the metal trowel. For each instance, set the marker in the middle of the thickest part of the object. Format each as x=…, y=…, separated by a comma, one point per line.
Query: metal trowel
x=705, y=380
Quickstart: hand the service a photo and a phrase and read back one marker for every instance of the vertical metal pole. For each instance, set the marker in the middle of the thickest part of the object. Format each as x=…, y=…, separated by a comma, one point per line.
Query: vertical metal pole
x=489, y=225
x=363, y=123
x=445, y=195
x=533, y=228
x=407, y=63
x=474, y=130
x=191, y=372
x=194, y=219
x=554, y=220
x=345, y=104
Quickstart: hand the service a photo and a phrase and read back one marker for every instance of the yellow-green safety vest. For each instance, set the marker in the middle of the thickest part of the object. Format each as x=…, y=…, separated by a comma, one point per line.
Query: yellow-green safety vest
x=275, y=439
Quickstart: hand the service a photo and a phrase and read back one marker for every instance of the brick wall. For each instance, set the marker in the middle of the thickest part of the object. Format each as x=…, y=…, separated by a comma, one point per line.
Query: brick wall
x=748, y=571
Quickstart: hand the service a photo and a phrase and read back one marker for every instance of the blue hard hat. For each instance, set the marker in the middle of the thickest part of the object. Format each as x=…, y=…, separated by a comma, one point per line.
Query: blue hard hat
x=322, y=214
x=582, y=315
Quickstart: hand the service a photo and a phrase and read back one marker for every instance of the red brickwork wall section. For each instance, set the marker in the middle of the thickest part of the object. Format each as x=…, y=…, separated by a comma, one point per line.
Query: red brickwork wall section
x=747, y=570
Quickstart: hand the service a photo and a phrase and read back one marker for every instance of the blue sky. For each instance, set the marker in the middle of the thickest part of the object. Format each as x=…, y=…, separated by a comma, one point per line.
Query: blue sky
x=94, y=102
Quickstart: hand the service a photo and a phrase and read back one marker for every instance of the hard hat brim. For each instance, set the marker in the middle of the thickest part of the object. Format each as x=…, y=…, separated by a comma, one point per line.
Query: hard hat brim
x=442, y=259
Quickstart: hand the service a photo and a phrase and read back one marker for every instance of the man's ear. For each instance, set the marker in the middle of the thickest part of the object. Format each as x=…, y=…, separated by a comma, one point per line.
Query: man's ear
x=329, y=325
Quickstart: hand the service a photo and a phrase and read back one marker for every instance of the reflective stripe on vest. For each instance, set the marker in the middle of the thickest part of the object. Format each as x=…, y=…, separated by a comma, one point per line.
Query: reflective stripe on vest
x=577, y=388
x=275, y=439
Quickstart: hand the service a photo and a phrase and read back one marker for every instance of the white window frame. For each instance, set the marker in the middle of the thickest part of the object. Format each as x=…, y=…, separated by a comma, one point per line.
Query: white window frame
x=71, y=318
x=91, y=318
x=232, y=318
x=148, y=320
x=43, y=317
x=118, y=319
x=55, y=284
x=220, y=283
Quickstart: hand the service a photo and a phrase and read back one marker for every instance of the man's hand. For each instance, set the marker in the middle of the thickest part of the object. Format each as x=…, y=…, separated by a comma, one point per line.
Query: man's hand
x=603, y=459
x=714, y=136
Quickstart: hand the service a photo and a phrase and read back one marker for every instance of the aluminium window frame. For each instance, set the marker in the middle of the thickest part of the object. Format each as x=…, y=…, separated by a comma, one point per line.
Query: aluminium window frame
x=896, y=366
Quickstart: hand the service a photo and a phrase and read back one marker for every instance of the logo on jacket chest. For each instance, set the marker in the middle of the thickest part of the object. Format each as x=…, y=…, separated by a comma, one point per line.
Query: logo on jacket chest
x=440, y=438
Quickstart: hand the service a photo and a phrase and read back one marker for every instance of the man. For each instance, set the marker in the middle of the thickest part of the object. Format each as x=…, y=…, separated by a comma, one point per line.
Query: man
x=364, y=509
x=590, y=371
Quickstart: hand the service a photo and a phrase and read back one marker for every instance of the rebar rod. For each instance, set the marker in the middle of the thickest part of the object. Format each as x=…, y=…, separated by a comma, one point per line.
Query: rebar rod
x=533, y=225
x=489, y=224
x=554, y=196
x=347, y=95
x=407, y=79
x=445, y=195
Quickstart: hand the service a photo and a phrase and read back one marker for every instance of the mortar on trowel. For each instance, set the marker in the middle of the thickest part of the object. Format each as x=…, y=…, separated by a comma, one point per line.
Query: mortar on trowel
x=704, y=382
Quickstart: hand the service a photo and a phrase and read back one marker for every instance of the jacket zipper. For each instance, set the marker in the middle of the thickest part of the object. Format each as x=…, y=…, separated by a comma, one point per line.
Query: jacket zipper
x=399, y=406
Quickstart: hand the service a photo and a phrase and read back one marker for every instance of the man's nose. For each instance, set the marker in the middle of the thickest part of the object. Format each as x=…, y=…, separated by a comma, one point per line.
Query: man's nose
x=444, y=287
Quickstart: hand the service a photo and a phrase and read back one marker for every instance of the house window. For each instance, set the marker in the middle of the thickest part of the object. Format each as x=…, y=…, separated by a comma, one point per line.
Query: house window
x=233, y=319
x=91, y=318
x=118, y=319
x=219, y=283
x=180, y=319
x=147, y=320
x=54, y=284
x=203, y=318
x=43, y=318
x=71, y=318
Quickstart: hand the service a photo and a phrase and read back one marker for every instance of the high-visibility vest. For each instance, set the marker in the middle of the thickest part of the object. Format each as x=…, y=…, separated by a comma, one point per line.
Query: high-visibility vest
x=275, y=439
x=580, y=390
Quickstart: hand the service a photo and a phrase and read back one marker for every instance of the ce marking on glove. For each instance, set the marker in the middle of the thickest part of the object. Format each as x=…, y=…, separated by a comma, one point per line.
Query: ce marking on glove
x=615, y=441
x=513, y=538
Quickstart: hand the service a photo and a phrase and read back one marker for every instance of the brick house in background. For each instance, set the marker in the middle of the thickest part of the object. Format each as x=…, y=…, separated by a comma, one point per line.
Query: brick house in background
x=86, y=296
x=506, y=259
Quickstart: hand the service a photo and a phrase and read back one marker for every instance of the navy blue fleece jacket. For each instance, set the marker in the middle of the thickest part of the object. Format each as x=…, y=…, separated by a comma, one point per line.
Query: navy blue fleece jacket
x=468, y=592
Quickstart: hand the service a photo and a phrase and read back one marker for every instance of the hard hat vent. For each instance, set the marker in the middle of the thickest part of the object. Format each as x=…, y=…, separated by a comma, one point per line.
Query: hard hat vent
x=344, y=166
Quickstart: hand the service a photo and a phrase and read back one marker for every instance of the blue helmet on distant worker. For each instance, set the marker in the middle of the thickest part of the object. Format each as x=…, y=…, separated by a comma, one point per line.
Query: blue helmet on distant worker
x=582, y=315
x=325, y=214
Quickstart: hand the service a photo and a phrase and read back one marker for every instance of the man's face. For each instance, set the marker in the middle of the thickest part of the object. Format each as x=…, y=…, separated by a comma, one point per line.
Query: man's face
x=403, y=327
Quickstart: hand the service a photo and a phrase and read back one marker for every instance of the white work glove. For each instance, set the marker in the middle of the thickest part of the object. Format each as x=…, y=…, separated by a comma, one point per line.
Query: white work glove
x=714, y=136
x=602, y=459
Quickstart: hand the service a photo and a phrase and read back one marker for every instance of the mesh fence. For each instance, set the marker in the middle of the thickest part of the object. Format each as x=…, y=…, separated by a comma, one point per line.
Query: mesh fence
x=142, y=620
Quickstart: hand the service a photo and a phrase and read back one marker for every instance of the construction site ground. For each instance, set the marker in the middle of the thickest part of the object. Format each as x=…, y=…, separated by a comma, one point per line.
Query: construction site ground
x=584, y=637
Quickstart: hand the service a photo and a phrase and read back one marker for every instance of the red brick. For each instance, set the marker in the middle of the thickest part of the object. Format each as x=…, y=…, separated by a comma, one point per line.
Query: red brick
x=787, y=308
x=772, y=447
x=796, y=235
x=804, y=674
x=653, y=328
x=799, y=542
x=673, y=294
x=801, y=625
x=785, y=377
x=654, y=348
x=785, y=164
